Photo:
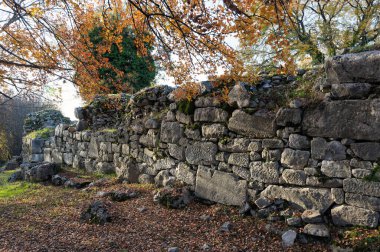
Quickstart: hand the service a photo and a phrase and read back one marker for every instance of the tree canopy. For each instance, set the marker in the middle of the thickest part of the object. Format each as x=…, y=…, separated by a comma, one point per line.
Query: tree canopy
x=45, y=40
x=128, y=70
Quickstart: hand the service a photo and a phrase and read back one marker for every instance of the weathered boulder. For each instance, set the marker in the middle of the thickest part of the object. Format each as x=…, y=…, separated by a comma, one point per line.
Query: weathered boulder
x=355, y=119
x=354, y=185
x=96, y=213
x=288, y=238
x=175, y=198
x=367, y=151
x=353, y=68
x=306, y=198
x=349, y=215
x=259, y=125
x=171, y=132
x=319, y=230
x=201, y=153
x=267, y=172
x=58, y=180
x=210, y=115
x=220, y=187
x=41, y=172
x=295, y=159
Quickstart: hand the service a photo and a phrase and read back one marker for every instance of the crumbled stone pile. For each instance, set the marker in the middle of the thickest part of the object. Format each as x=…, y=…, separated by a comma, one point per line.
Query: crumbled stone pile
x=318, y=160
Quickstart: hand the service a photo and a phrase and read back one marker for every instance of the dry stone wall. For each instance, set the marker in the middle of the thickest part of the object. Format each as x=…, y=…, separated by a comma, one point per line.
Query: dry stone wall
x=321, y=157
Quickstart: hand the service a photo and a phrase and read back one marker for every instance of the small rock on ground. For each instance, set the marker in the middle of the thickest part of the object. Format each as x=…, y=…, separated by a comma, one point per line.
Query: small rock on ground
x=288, y=238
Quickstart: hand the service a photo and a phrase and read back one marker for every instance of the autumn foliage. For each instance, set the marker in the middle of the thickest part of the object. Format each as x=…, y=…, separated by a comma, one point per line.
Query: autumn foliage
x=45, y=40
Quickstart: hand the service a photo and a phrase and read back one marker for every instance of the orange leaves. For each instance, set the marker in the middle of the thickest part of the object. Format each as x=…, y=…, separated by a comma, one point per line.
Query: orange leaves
x=187, y=91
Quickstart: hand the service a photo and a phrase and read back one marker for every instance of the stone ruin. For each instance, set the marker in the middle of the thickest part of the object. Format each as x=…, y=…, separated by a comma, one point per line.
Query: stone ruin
x=319, y=158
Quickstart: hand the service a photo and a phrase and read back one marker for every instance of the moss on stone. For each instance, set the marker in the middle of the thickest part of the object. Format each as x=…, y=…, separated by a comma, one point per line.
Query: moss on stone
x=186, y=107
x=44, y=133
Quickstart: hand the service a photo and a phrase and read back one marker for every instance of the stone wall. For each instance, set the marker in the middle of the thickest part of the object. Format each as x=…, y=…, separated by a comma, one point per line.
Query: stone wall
x=318, y=156
x=38, y=127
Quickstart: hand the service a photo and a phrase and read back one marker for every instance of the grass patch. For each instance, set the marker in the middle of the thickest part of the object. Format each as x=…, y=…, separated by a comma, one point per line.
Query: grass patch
x=44, y=133
x=375, y=174
x=11, y=190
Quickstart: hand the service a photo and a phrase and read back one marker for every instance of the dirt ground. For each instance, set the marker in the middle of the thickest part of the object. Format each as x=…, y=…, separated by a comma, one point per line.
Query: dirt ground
x=47, y=218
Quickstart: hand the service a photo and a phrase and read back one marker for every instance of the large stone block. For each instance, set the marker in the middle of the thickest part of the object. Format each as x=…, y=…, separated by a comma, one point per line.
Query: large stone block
x=288, y=117
x=57, y=156
x=321, y=149
x=295, y=159
x=240, y=159
x=171, y=132
x=350, y=215
x=220, y=187
x=350, y=90
x=210, y=115
x=259, y=125
x=356, y=67
x=151, y=139
x=353, y=119
x=164, y=164
x=68, y=158
x=294, y=177
x=354, y=185
x=93, y=148
x=215, y=130
x=235, y=145
x=359, y=200
x=185, y=174
x=129, y=170
x=239, y=96
x=367, y=151
x=201, y=153
x=336, y=169
x=306, y=198
x=40, y=173
x=267, y=172
x=297, y=141
x=37, y=145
